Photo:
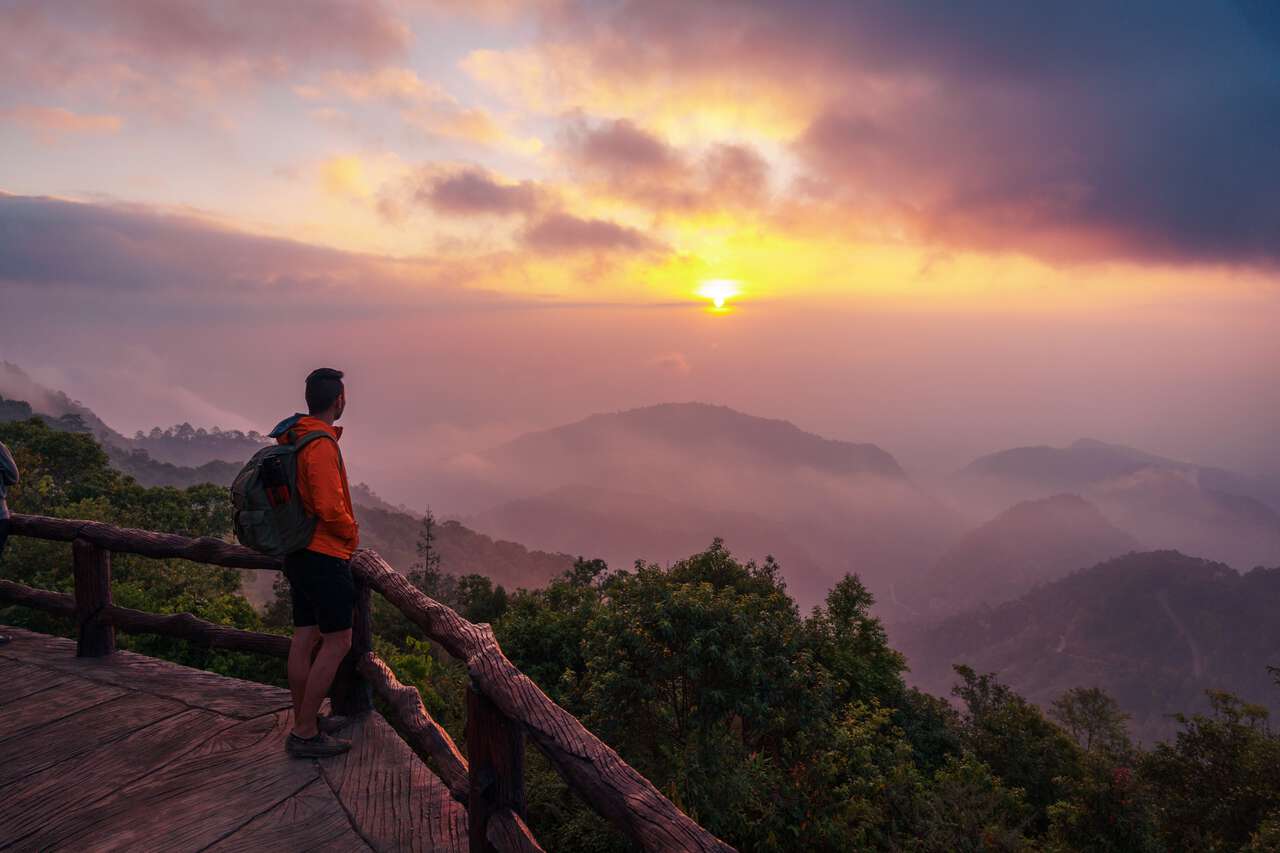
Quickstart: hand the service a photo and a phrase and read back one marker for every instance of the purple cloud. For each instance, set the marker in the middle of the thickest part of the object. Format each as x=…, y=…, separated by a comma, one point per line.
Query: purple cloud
x=474, y=191
x=563, y=233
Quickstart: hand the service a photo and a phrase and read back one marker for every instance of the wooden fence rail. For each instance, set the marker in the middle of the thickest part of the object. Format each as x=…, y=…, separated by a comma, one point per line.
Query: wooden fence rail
x=503, y=706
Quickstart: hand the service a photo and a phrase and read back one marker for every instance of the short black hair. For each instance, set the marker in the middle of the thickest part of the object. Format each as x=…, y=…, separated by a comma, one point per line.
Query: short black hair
x=324, y=384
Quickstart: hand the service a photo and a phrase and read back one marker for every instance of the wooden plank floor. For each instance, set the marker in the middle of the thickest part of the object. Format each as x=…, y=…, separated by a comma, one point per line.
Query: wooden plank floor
x=129, y=752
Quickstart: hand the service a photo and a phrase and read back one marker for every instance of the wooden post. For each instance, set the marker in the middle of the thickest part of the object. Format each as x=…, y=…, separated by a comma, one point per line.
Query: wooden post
x=351, y=694
x=92, y=566
x=495, y=758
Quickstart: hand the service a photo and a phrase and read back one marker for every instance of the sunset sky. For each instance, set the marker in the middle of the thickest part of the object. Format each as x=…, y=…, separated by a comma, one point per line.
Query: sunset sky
x=941, y=227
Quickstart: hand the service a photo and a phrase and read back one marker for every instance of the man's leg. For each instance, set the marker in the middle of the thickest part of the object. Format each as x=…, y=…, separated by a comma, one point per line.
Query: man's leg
x=333, y=648
x=305, y=645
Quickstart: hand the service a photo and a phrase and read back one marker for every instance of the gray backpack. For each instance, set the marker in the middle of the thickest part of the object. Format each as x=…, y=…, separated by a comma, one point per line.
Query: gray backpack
x=268, y=512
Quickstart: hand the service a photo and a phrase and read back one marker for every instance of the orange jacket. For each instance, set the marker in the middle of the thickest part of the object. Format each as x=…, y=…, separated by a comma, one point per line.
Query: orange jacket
x=322, y=483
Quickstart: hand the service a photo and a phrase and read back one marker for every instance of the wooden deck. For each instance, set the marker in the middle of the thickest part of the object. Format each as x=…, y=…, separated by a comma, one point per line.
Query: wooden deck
x=128, y=752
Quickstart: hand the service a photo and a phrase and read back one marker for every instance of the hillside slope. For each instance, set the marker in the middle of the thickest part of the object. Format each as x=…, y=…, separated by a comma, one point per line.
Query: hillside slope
x=1154, y=629
x=1164, y=503
x=1031, y=543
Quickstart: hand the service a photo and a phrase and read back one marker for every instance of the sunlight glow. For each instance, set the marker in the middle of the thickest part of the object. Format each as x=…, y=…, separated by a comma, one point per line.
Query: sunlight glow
x=718, y=290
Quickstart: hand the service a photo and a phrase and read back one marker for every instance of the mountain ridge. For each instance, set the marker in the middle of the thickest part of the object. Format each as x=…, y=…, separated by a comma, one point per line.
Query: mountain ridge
x=1154, y=628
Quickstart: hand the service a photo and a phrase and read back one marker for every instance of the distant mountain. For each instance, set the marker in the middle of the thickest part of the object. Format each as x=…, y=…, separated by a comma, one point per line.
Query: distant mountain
x=181, y=456
x=1075, y=468
x=139, y=465
x=15, y=384
x=1162, y=502
x=184, y=444
x=363, y=494
x=1032, y=543
x=688, y=472
x=1171, y=509
x=1154, y=629
x=607, y=443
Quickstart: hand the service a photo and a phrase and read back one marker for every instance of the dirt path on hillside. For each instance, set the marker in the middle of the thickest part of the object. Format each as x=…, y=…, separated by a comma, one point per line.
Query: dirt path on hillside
x=1197, y=657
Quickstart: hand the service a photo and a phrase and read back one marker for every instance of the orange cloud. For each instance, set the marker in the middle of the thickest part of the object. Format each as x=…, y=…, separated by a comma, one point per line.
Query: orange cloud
x=52, y=123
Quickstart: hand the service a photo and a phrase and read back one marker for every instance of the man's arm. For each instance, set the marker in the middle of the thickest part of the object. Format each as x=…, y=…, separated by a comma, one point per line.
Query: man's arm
x=320, y=473
x=8, y=468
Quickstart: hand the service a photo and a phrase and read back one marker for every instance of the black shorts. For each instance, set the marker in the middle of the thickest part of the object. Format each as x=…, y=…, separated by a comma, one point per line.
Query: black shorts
x=322, y=590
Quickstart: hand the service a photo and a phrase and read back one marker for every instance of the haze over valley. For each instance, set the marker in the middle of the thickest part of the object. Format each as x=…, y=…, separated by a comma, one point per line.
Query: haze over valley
x=959, y=561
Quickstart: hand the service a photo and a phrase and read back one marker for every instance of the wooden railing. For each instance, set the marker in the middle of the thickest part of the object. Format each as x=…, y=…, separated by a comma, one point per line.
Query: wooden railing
x=503, y=705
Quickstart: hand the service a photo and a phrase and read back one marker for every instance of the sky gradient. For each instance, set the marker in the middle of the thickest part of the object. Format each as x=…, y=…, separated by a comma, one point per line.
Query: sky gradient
x=953, y=227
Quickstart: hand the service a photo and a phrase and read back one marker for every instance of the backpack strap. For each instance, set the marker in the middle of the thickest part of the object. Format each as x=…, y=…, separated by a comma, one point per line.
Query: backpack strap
x=312, y=436
x=319, y=433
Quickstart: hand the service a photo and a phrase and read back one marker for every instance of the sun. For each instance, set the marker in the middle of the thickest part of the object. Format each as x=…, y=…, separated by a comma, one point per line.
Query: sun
x=719, y=291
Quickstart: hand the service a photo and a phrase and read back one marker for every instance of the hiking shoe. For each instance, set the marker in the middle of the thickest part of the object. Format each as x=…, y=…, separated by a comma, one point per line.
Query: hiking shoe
x=320, y=746
x=331, y=724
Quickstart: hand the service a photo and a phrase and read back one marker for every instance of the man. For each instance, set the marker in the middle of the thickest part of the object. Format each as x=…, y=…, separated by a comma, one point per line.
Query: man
x=319, y=575
x=8, y=477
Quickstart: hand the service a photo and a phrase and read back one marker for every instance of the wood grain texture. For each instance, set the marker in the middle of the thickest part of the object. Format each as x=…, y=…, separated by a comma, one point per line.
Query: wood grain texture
x=427, y=737
x=20, y=680
x=60, y=603
x=32, y=811
x=131, y=671
x=195, y=800
x=311, y=819
x=92, y=568
x=19, y=719
x=613, y=788
x=508, y=833
x=183, y=626
x=69, y=736
x=394, y=801
x=140, y=772
x=145, y=542
x=495, y=761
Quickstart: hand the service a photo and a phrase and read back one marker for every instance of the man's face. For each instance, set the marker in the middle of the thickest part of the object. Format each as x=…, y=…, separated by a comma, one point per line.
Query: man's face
x=340, y=405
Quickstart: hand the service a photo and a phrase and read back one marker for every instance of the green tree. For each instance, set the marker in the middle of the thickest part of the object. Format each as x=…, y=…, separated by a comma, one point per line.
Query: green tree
x=479, y=600
x=1214, y=786
x=1021, y=746
x=1107, y=809
x=851, y=644
x=1094, y=719
x=425, y=573
x=542, y=630
x=969, y=809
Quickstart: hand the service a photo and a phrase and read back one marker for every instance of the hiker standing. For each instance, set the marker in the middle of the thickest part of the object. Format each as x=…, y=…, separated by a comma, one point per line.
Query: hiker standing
x=319, y=574
x=8, y=477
